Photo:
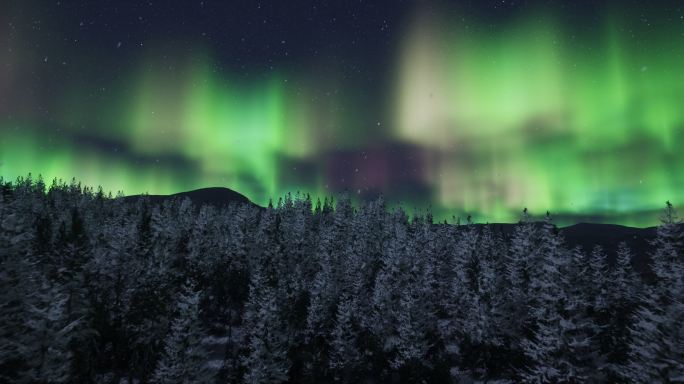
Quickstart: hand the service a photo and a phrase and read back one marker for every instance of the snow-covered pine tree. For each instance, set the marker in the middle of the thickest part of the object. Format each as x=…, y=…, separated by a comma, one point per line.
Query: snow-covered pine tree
x=51, y=334
x=390, y=282
x=623, y=288
x=523, y=255
x=74, y=252
x=657, y=349
x=266, y=361
x=557, y=349
x=371, y=237
x=296, y=266
x=413, y=333
x=184, y=357
x=36, y=333
x=151, y=291
x=599, y=309
x=579, y=327
x=238, y=244
x=15, y=288
x=203, y=246
x=485, y=313
x=464, y=306
x=543, y=343
x=113, y=269
x=324, y=292
x=417, y=321
x=597, y=263
x=346, y=358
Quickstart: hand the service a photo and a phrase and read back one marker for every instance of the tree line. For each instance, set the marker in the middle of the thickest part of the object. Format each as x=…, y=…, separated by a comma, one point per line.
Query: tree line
x=96, y=289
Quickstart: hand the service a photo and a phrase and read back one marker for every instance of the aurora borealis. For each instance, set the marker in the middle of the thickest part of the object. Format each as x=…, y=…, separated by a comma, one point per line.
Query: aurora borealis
x=470, y=109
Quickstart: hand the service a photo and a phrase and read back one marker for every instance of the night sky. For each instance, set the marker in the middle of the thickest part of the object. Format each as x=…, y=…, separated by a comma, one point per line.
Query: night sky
x=467, y=107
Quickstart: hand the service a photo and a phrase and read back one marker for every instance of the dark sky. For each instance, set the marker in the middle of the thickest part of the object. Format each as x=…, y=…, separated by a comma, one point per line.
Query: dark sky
x=250, y=38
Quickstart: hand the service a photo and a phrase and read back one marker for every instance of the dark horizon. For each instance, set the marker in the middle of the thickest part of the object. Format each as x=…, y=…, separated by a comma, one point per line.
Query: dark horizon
x=562, y=221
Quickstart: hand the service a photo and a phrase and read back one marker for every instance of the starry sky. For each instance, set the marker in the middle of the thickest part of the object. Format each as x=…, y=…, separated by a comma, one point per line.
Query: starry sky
x=466, y=107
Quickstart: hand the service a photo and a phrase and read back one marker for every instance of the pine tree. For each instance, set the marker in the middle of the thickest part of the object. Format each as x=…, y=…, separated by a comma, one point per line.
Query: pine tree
x=295, y=268
x=558, y=349
x=599, y=309
x=413, y=328
x=184, y=358
x=76, y=253
x=598, y=269
x=266, y=361
x=484, y=312
x=464, y=306
x=622, y=290
x=346, y=358
x=113, y=270
x=657, y=350
x=323, y=294
x=15, y=289
x=203, y=249
x=522, y=258
x=36, y=333
x=390, y=282
x=151, y=288
x=52, y=335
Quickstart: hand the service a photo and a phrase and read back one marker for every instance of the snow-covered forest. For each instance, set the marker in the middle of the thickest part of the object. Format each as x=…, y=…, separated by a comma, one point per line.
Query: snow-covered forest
x=95, y=289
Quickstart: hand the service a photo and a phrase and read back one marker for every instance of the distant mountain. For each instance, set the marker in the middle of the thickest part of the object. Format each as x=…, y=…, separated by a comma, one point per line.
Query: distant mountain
x=217, y=197
x=585, y=235
x=608, y=236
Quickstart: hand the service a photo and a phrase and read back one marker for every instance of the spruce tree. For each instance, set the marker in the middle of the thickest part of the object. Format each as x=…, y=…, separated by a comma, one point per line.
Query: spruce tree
x=657, y=349
x=266, y=361
x=522, y=257
x=558, y=348
x=346, y=358
x=184, y=357
x=623, y=289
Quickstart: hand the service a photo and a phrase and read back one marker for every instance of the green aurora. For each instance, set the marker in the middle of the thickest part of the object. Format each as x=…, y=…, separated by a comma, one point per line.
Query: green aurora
x=551, y=128
x=531, y=114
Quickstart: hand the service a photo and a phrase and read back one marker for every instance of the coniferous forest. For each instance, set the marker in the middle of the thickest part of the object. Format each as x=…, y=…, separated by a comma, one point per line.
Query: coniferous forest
x=96, y=289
